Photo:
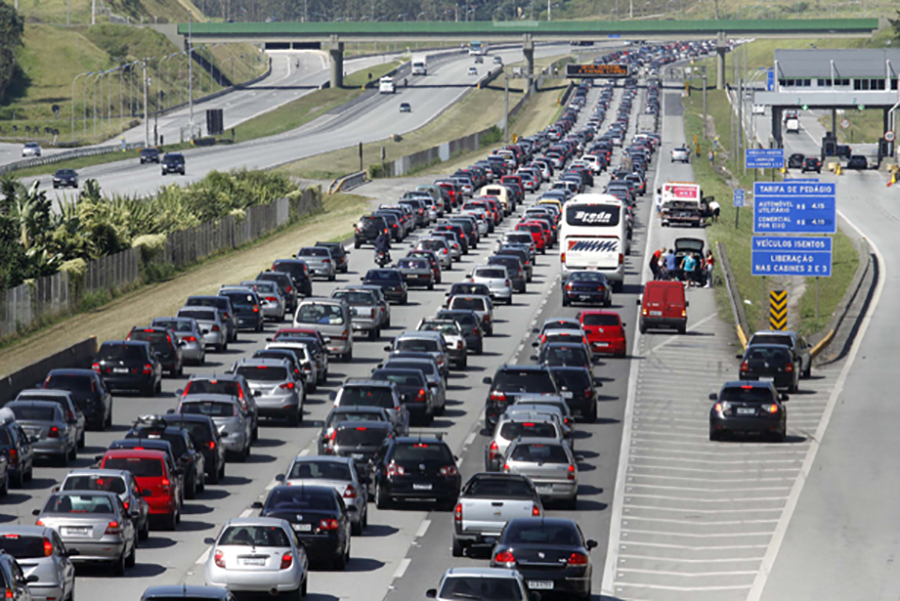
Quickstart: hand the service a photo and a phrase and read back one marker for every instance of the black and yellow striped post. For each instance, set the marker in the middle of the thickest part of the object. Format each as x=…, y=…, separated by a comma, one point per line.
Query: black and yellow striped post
x=778, y=310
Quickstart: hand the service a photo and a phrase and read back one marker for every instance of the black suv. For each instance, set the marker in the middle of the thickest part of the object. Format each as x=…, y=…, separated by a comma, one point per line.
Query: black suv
x=16, y=448
x=578, y=388
x=339, y=254
x=150, y=155
x=299, y=273
x=89, y=392
x=514, y=381
x=368, y=229
x=205, y=436
x=173, y=162
x=391, y=283
x=186, y=456
x=165, y=345
x=415, y=468
x=129, y=365
x=748, y=407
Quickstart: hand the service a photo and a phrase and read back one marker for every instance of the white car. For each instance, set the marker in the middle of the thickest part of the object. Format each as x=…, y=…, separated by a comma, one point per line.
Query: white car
x=473, y=71
x=496, y=278
x=594, y=162
x=759, y=109
x=31, y=149
x=682, y=154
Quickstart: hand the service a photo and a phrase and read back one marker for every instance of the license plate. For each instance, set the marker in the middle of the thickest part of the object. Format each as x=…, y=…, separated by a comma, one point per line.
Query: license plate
x=746, y=411
x=78, y=531
x=766, y=378
x=302, y=527
x=357, y=456
x=547, y=488
x=655, y=313
x=253, y=561
x=421, y=486
x=566, y=395
x=120, y=370
x=584, y=297
x=540, y=585
x=602, y=344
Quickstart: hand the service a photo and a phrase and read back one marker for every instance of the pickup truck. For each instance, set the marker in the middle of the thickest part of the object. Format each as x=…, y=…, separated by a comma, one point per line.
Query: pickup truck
x=486, y=503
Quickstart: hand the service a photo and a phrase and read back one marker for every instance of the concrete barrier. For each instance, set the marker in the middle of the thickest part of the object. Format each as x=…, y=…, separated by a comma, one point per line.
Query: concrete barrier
x=68, y=155
x=347, y=182
x=79, y=355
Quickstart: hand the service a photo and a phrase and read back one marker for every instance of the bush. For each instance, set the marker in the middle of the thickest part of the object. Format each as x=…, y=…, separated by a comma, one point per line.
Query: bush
x=151, y=246
x=376, y=171
x=490, y=137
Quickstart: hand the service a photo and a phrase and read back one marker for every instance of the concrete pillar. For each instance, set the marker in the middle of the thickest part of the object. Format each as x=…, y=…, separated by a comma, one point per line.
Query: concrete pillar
x=776, y=126
x=336, y=50
x=528, y=50
x=721, y=48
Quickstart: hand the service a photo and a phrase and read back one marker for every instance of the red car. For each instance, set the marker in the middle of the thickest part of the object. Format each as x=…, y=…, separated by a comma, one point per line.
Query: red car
x=154, y=472
x=604, y=330
x=537, y=234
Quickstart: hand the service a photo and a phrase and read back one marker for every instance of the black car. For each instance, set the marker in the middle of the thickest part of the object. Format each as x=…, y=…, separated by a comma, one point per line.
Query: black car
x=285, y=285
x=186, y=455
x=205, y=436
x=415, y=468
x=182, y=592
x=405, y=108
x=470, y=324
x=795, y=161
x=65, y=178
x=129, y=365
x=165, y=345
x=17, y=453
x=90, y=393
x=511, y=382
x=394, y=223
x=246, y=306
x=368, y=229
x=550, y=553
x=857, y=161
x=173, y=162
x=748, y=407
x=771, y=363
x=299, y=273
x=391, y=283
x=577, y=387
x=589, y=287
x=223, y=304
x=794, y=341
x=811, y=164
x=351, y=414
x=150, y=155
x=339, y=254
x=319, y=518
x=414, y=392
x=359, y=440
x=468, y=289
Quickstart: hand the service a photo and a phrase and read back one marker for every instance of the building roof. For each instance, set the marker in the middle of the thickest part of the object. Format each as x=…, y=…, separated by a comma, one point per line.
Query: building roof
x=847, y=64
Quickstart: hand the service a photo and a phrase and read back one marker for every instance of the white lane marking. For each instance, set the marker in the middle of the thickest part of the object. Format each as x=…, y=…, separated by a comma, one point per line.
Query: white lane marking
x=698, y=523
x=203, y=556
x=401, y=569
x=693, y=500
x=685, y=574
x=682, y=560
x=423, y=528
x=692, y=548
x=704, y=511
x=671, y=339
x=469, y=439
x=638, y=455
x=697, y=535
x=778, y=537
x=304, y=452
x=683, y=589
x=247, y=512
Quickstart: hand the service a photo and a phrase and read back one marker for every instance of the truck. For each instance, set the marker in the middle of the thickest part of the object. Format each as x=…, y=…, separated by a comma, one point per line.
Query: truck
x=386, y=85
x=419, y=65
x=792, y=125
x=682, y=204
x=478, y=48
x=486, y=503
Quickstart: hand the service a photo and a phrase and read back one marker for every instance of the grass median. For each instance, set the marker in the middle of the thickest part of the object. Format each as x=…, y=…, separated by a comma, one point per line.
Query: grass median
x=720, y=181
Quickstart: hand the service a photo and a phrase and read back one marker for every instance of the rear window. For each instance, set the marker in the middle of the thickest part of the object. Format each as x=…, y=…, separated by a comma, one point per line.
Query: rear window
x=426, y=367
x=320, y=470
x=539, y=453
x=466, y=319
x=322, y=314
x=750, y=394
x=240, y=298
x=412, y=264
x=503, y=488
x=198, y=314
x=176, y=325
x=229, y=387
x=263, y=373
x=153, y=337
x=771, y=355
x=254, y=536
x=513, y=430
x=771, y=339
x=68, y=504
x=600, y=320
x=89, y=482
x=36, y=414
x=472, y=304
x=449, y=329
x=532, y=381
x=354, y=297
x=122, y=352
x=212, y=409
x=315, y=252
x=572, y=379
x=491, y=273
x=337, y=418
x=199, y=431
x=22, y=547
x=138, y=466
x=373, y=396
x=296, y=498
x=71, y=383
x=423, y=451
x=378, y=275
x=566, y=356
x=360, y=436
x=400, y=378
x=419, y=345
x=538, y=531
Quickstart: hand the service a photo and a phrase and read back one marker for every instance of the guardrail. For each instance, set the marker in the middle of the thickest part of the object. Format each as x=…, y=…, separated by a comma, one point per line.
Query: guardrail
x=347, y=182
x=68, y=155
x=737, y=306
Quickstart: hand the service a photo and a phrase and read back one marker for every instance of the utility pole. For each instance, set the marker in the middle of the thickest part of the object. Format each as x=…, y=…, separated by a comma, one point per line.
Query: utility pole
x=93, y=11
x=88, y=74
x=506, y=119
x=146, y=120
x=704, y=102
x=191, y=77
x=548, y=11
x=741, y=124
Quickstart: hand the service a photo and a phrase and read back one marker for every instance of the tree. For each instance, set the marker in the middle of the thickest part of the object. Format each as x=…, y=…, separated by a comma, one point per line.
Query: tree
x=895, y=25
x=12, y=28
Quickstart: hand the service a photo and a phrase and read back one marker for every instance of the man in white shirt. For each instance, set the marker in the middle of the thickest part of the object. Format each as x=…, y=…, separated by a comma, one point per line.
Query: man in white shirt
x=714, y=209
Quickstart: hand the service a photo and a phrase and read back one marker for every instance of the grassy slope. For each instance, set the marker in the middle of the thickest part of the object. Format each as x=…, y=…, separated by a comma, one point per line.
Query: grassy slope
x=704, y=9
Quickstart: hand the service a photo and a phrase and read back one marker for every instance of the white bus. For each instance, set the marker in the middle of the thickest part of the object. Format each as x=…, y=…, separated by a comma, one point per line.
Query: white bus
x=594, y=236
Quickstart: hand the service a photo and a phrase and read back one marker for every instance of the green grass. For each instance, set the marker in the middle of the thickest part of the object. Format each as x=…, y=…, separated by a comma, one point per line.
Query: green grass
x=866, y=126
x=738, y=240
x=54, y=11
x=359, y=78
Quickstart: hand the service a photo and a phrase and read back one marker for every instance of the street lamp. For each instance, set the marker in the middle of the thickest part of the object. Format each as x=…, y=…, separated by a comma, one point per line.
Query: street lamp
x=169, y=76
x=87, y=74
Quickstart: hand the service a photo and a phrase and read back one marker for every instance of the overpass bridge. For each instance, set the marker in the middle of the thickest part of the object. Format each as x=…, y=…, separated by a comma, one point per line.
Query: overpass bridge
x=335, y=34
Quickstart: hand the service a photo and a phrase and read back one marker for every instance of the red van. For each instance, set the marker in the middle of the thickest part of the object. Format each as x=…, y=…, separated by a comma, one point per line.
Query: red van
x=604, y=330
x=663, y=306
x=156, y=476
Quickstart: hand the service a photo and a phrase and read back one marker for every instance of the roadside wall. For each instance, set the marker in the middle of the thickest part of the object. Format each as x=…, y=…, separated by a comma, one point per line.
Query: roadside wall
x=78, y=355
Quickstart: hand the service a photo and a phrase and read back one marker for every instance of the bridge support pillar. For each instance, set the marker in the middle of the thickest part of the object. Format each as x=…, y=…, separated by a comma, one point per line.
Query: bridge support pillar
x=528, y=51
x=336, y=50
x=777, y=139
x=721, y=49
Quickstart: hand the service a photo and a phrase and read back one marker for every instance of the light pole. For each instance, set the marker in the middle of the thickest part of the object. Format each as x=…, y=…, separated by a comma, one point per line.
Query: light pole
x=85, y=104
x=228, y=60
x=191, y=77
x=100, y=75
x=163, y=60
x=87, y=74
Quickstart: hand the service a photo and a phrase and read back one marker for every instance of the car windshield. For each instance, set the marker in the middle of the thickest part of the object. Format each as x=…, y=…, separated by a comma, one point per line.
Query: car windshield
x=67, y=504
x=198, y=314
x=298, y=498
x=539, y=453
x=30, y=413
x=114, y=484
x=359, y=436
x=481, y=589
x=498, y=274
x=176, y=325
x=513, y=430
x=122, y=352
x=254, y=536
x=355, y=297
x=532, y=381
x=539, y=532
x=470, y=303
x=378, y=275
x=262, y=373
x=771, y=339
x=320, y=470
x=426, y=367
x=768, y=354
x=22, y=546
x=372, y=396
x=412, y=264
x=424, y=451
x=588, y=276
x=420, y=345
x=503, y=488
x=210, y=408
x=138, y=466
x=322, y=314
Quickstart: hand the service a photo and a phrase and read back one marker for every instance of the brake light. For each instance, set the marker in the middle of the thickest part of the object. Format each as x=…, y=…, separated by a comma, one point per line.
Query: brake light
x=148, y=369
x=113, y=528
x=54, y=432
x=505, y=467
x=457, y=513
x=13, y=456
x=535, y=511
x=789, y=368
x=215, y=328
x=505, y=557
x=256, y=308
x=449, y=470
x=395, y=470
x=571, y=473
x=39, y=523
x=96, y=367
x=190, y=339
x=718, y=407
x=166, y=483
x=9, y=593
x=286, y=560
x=212, y=444
x=498, y=396
x=773, y=408
x=744, y=366
x=48, y=548
x=271, y=299
x=288, y=289
x=287, y=386
x=493, y=450
x=329, y=524
x=220, y=559
x=420, y=396
x=577, y=559
x=621, y=259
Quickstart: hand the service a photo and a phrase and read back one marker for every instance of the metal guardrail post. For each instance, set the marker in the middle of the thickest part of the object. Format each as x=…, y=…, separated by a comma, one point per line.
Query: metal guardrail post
x=737, y=307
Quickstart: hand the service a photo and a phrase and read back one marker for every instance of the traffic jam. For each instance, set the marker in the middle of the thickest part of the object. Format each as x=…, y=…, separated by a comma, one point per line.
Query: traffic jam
x=378, y=446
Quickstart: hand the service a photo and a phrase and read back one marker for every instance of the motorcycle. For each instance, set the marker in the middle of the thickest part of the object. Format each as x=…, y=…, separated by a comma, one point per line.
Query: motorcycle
x=382, y=258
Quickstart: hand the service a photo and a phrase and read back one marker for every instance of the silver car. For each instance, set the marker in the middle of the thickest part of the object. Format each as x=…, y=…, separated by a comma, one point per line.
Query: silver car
x=367, y=315
x=338, y=473
x=496, y=278
x=438, y=246
x=457, y=350
x=213, y=327
x=300, y=350
x=331, y=317
x=511, y=426
x=66, y=400
x=480, y=305
x=45, y=423
x=189, y=335
x=95, y=525
x=550, y=465
x=44, y=560
x=122, y=483
x=423, y=341
x=470, y=583
x=416, y=272
x=319, y=261
x=436, y=383
x=232, y=420
x=31, y=149
x=359, y=392
x=272, y=303
x=258, y=555
x=276, y=392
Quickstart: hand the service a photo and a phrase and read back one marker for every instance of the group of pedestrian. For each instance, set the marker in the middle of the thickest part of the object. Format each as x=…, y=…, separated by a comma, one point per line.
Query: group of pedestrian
x=693, y=269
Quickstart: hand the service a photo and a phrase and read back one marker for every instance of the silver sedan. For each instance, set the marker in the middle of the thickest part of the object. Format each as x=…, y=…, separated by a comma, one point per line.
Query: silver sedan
x=213, y=328
x=45, y=423
x=273, y=302
x=189, y=335
x=94, y=525
x=257, y=555
x=319, y=261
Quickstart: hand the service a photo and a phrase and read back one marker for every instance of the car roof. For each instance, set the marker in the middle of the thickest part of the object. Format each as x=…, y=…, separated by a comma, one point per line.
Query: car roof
x=255, y=521
x=747, y=384
x=481, y=573
x=106, y=473
x=330, y=458
x=366, y=382
x=364, y=423
x=209, y=397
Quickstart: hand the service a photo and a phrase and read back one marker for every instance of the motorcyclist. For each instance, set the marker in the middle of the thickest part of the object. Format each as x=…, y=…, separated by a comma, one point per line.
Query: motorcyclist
x=383, y=245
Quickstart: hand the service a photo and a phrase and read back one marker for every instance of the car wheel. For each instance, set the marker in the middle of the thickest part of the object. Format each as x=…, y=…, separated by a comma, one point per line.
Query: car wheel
x=715, y=435
x=807, y=373
x=192, y=489
x=356, y=529
x=245, y=454
x=431, y=286
x=373, y=334
x=777, y=436
x=294, y=418
x=158, y=389
x=381, y=500
x=144, y=532
x=132, y=557
x=254, y=435
x=348, y=356
x=480, y=349
x=565, y=301
x=509, y=301
x=4, y=490
x=340, y=562
x=220, y=347
x=458, y=549
x=73, y=454
x=81, y=441
x=119, y=565
x=642, y=327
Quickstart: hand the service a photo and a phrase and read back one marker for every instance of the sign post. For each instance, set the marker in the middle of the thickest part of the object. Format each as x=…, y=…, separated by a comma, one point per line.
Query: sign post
x=737, y=202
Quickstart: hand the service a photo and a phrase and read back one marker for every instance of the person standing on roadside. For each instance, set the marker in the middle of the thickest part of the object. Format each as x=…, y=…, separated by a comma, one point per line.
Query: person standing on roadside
x=671, y=265
x=714, y=209
x=688, y=266
x=654, y=265
x=657, y=200
x=710, y=265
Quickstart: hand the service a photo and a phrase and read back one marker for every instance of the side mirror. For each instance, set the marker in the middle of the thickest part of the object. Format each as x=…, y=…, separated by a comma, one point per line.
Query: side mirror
x=535, y=344
x=98, y=458
x=182, y=343
x=431, y=593
x=31, y=578
x=179, y=392
x=598, y=383
x=257, y=505
x=270, y=340
x=486, y=380
x=637, y=301
x=388, y=348
x=257, y=393
x=687, y=304
x=209, y=540
x=739, y=356
x=332, y=395
x=713, y=396
x=146, y=493
x=279, y=478
x=170, y=412
x=591, y=544
x=134, y=514
x=533, y=357
x=784, y=398
x=35, y=512
x=365, y=480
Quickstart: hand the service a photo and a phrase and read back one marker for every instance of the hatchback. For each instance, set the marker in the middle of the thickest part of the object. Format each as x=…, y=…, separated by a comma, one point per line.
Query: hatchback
x=213, y=326
x=46, y=424
x=514, y=425
x=246, y=307
x=120, y=482
x=44, y=560
x=480, y=305
x=340, y=255
x=165, y=345
x=188, y=335
x=89, y=392
x=223, y=304
x=496, y=278
x=605, y=331
x=173, y=162
x=549, y=464
x=66, y=401
x=391, y=282
x=771, y=363
x=277, y=393
x=129, y=365
x=272, y=303
x=748, y=407
x=586, y=287
x=415, y=468
x=299, y=273
x=232, y=420
x=338, y=472
x=155, y=473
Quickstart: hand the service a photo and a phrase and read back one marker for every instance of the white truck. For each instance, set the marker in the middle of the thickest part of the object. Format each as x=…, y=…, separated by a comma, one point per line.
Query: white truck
x=419, y=64
x=386, y=85
x=792, y=125
x=681, y=204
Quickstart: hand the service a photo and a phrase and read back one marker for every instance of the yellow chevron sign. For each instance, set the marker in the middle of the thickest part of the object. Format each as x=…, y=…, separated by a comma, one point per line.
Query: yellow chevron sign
x=778, y=310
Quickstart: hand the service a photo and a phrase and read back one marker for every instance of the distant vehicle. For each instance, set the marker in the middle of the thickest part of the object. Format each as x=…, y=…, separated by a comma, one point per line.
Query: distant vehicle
x=386, y=85
x=498, y=60
x=795, y=161
x=811, y=164
x=405, y=108
x=857, y=161
x=478, y=48
x=420, y=65
x=65, y=178
x=173, y=162
x=759, y=109
x=150, y=155
x=792, y=126
x=473, y=71
x=479, y=60
x=31, y=149
x=682, y=154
